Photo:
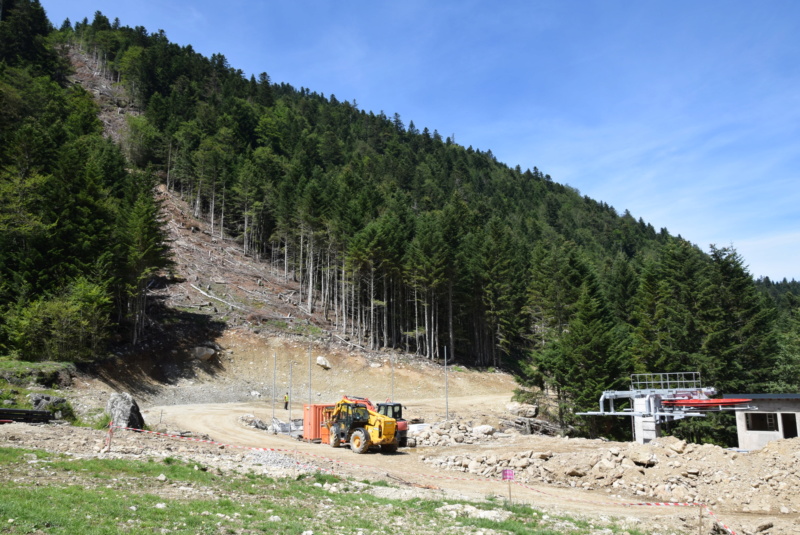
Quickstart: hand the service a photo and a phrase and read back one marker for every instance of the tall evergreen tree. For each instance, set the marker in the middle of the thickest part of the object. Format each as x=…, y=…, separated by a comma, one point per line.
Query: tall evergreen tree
x=666, y=334
x=502, y=292
x=740, y=348
x=592, y=357
x=144, y=250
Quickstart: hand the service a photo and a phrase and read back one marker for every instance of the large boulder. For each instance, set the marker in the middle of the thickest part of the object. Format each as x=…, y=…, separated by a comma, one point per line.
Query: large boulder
x=483, y=430
x=203, y=353
x=643, y=457
x=523, y=409
x=124, y=411
x=575, y=471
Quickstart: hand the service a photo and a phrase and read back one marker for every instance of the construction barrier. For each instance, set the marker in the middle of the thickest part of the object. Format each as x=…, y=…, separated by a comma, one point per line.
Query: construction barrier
x=702, y=506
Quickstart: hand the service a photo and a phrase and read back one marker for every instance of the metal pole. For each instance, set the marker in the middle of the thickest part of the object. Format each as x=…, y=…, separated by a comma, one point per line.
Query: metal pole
x=274, y=373
x=291, y=365
x=700, y=520
x=392, y=376
x=309, y=373
x=446, y=389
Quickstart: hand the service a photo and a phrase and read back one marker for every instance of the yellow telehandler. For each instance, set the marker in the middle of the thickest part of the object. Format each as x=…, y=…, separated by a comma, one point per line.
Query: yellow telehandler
x=351, y=422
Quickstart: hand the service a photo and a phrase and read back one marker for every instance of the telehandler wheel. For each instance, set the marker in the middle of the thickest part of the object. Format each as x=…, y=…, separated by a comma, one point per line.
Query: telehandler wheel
x=389, y=448
x=335, y=440
x=359, y=442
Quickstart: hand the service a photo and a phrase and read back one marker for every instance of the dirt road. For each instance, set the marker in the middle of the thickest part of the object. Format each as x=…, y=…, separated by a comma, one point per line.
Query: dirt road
x=222, y=424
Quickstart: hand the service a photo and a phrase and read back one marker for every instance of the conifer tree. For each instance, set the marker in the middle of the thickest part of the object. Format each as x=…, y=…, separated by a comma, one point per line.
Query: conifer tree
x=501, y=289
x=144, y=251
x=787, y=361
x=740, y=344
x=593, y=360
x=666, y=334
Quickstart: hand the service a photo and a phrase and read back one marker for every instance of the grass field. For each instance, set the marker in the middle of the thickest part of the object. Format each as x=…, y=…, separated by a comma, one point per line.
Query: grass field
x=56, y=494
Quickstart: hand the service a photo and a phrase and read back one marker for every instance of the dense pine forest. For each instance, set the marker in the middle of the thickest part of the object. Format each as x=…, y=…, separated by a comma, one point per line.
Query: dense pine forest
x=402, y=238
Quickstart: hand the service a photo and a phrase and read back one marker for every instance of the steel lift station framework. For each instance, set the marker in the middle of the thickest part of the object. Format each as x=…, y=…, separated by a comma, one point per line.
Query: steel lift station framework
x=658, y=398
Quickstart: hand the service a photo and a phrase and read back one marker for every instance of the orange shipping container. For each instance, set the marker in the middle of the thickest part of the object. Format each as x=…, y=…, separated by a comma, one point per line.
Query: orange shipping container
x=314, y=421
x=325, y=433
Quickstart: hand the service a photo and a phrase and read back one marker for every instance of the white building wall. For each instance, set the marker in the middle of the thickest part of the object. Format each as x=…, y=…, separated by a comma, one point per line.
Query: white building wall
x=754, y=440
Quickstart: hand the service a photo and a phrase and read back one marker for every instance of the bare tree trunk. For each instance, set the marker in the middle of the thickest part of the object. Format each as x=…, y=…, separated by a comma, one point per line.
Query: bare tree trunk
x=372, y=334
x=222, y=215
x=169, y=165
x=360, y=331
x=300, y=265
x=310, y=271
x=285, y=258
x=416, y=320
x=326, y=283
x=344, y=300
x=213, y=204
x=404, y=316
x=425, y=312
x=351, y=311
x=385, y=311
x=198, y=200
x=246, y=241
x=435, y=322
x=450, y=329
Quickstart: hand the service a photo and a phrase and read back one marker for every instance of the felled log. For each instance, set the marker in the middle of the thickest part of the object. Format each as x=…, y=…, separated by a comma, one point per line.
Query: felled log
x=535, y=426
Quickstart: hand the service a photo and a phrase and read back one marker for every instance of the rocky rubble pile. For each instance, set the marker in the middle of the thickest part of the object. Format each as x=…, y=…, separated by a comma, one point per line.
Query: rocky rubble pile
x=82, y=442
x=451, y=433
x=763, y=481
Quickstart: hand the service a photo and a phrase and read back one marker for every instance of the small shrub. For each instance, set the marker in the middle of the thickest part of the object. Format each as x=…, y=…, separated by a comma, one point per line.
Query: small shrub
x=102, y=422
x=526, y=396
x=63, y=411
x=320, y=477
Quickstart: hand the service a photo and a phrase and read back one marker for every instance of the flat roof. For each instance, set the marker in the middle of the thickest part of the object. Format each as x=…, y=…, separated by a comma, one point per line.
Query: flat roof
x=761, y=396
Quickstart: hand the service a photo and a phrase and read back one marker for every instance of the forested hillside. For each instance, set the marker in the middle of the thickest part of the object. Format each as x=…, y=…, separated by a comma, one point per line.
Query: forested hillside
x=401, y=237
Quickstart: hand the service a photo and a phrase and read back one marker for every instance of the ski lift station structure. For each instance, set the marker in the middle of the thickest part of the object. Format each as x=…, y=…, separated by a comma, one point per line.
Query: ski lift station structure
x=659, y=398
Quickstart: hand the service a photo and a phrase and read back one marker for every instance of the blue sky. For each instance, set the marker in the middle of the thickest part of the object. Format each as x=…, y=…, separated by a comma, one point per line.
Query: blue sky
x=685, y=113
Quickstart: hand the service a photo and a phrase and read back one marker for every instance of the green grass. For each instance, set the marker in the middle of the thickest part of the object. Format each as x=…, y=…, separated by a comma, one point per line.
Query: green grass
x=16, y=455
x=18, y=372
x=294, y=327
x=57, y=494
x=308, y=330
x=19, y=397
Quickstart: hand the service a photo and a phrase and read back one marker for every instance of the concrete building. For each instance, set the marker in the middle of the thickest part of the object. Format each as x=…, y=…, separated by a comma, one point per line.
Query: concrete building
x=774, y=417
